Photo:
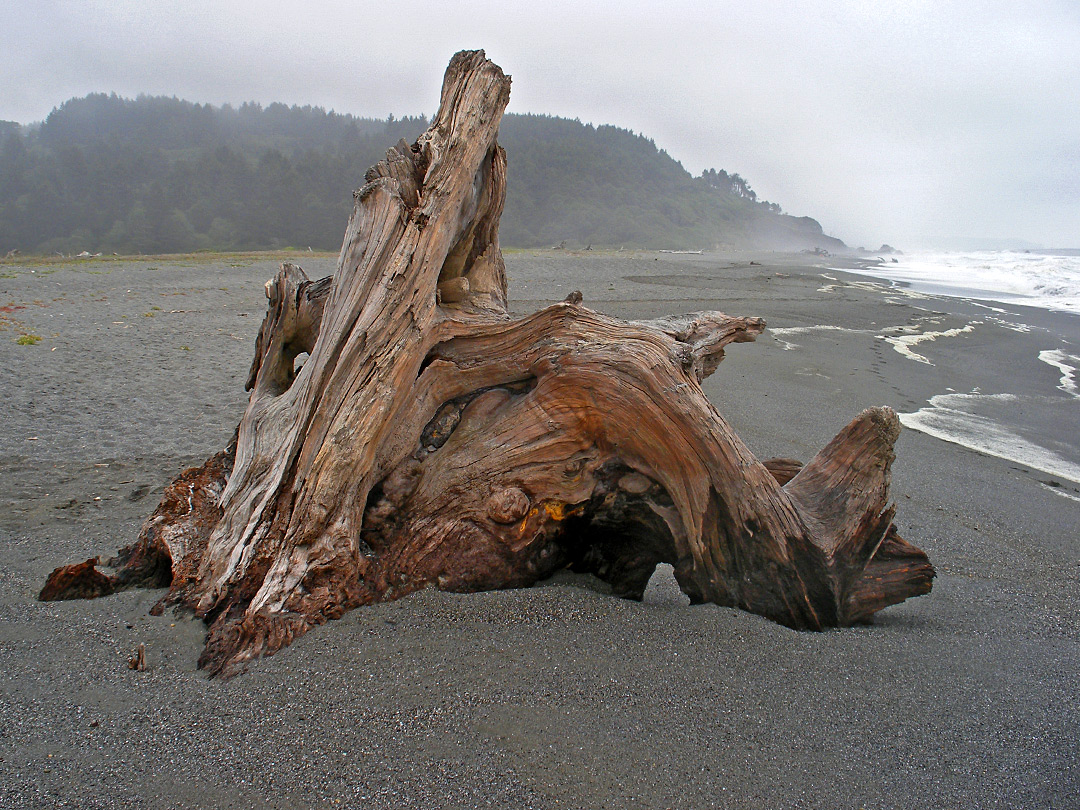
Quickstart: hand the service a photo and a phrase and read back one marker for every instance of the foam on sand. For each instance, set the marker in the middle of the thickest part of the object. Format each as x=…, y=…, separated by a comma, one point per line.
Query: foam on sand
x=1067, y=364
x=952, y=418
x=891, y=289
x=802, y=330
x=903, y=343
x=1058, y=491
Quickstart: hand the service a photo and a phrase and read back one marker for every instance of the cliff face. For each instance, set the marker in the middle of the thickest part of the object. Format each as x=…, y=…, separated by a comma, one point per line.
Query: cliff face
x=609, y=187
x=785, y=232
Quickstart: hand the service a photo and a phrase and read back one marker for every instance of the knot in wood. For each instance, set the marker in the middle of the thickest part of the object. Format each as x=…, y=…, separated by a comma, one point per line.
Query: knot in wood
x=508, y=505
x=683, y=355
x=444, y=422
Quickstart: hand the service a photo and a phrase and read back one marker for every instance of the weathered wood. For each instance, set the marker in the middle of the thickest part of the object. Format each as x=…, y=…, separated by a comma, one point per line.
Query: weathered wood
x=783, y=469
x=430, y=439
x=77, y=581
x=137, y=660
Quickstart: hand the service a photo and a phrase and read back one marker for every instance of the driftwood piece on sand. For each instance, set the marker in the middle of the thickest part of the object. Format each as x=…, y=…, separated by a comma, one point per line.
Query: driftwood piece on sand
x=431, y=440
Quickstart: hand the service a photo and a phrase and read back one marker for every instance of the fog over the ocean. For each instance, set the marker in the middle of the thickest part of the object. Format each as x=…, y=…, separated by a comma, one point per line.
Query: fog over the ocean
x=915, y=123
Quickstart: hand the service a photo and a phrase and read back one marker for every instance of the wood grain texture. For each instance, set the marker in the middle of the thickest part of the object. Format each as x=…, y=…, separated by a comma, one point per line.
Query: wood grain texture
x=431, y=440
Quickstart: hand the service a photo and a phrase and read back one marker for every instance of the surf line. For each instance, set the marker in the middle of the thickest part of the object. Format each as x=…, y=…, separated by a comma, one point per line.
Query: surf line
x=949, y=417
x=903, y=343
x=1057, y=491
x=1057, y=358
x=887, y=287
x=802, y=330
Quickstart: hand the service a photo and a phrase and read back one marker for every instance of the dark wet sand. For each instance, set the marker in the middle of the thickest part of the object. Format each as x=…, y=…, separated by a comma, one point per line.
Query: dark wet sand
x=555, y=696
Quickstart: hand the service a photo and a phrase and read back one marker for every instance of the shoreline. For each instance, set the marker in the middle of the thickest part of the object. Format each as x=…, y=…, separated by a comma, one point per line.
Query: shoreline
x=556, y=695
x=1042, y=279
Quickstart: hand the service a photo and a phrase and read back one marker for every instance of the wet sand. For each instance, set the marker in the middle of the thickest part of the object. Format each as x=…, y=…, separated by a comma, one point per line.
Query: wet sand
x=559, y=695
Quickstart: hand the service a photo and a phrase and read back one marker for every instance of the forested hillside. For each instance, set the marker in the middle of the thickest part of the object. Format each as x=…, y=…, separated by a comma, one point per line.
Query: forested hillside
x=159, y=175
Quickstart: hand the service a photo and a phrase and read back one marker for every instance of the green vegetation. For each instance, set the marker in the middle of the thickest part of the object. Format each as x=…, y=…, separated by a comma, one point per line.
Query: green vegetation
x=28, y=340
x=608, y=187
x=105, y=174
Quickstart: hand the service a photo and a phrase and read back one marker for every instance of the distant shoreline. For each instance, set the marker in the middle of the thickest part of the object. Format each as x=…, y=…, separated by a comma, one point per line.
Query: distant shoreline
x=198, y=257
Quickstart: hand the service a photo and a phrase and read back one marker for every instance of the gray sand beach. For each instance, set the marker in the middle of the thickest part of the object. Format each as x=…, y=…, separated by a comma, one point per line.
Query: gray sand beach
x=559, y=695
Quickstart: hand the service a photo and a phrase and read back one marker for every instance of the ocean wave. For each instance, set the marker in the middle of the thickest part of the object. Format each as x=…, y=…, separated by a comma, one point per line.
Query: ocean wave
x=1045, y=279
x=974, y=421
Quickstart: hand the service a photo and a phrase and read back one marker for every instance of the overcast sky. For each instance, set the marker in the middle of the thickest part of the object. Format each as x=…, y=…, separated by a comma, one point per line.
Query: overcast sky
x=911, y=123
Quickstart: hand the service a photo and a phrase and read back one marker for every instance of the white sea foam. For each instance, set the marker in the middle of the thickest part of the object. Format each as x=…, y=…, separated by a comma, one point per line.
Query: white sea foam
x=903, y=343
x=1022, y=328
x=953, y=418
x=802, y=330
x=873, y=286
x=992, y=308
x=1070, y=496
x=828, y=288
x=1046, y=279
x=1067, y=364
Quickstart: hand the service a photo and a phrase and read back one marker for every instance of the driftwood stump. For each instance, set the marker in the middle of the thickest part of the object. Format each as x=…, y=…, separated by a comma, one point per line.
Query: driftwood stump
x=430, y=439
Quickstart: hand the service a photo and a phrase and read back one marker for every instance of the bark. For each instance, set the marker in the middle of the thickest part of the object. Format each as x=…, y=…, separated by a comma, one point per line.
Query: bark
x=431, y=440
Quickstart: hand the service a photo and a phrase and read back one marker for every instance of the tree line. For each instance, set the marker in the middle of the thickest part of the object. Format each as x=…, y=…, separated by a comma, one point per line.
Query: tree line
x=162, y=175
